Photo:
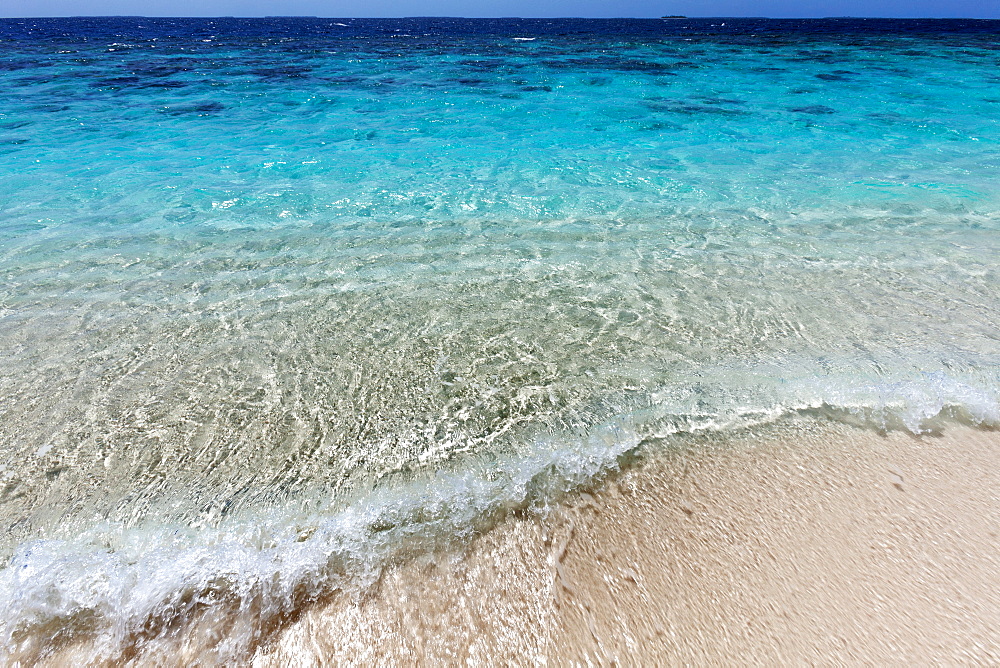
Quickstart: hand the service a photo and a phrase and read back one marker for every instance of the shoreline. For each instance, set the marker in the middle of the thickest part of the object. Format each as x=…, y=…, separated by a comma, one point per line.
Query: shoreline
x=803, y=542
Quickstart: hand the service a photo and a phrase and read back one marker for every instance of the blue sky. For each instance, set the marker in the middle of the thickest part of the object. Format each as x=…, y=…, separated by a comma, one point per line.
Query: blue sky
x=539, y=8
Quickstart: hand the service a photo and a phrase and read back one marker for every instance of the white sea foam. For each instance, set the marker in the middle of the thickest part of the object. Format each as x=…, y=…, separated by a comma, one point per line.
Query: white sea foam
x=110, y=583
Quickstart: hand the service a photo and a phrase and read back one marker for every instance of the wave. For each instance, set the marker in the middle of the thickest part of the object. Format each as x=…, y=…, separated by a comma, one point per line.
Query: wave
x=124, y=589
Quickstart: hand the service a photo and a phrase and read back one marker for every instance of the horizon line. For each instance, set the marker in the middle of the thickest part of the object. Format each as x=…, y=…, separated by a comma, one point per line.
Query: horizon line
x=493, y=18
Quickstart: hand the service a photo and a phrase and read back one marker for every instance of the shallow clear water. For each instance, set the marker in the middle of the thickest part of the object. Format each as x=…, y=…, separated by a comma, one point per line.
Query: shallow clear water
x=281, y=298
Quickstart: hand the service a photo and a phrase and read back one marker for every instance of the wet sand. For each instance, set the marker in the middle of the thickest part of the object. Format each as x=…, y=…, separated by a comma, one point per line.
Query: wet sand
x=805, y=543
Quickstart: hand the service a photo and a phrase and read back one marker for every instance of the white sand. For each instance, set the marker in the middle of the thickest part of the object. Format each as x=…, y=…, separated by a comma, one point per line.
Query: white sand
x=812, y=543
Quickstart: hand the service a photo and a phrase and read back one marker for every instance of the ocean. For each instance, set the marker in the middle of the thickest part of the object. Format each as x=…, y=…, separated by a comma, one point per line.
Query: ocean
x=286, y=301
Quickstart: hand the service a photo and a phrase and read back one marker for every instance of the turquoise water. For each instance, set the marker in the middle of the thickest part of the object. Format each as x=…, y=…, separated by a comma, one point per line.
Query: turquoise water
x=282, y=298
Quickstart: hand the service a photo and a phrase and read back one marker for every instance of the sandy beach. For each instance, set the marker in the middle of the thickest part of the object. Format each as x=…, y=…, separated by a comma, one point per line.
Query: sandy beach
x=807, y=543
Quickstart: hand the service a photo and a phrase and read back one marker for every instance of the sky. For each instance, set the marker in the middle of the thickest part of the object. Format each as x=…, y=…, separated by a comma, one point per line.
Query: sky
x=493, y=8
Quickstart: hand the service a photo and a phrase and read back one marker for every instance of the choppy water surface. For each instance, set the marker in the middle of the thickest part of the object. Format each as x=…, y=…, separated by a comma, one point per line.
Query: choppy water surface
x=279, y=298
